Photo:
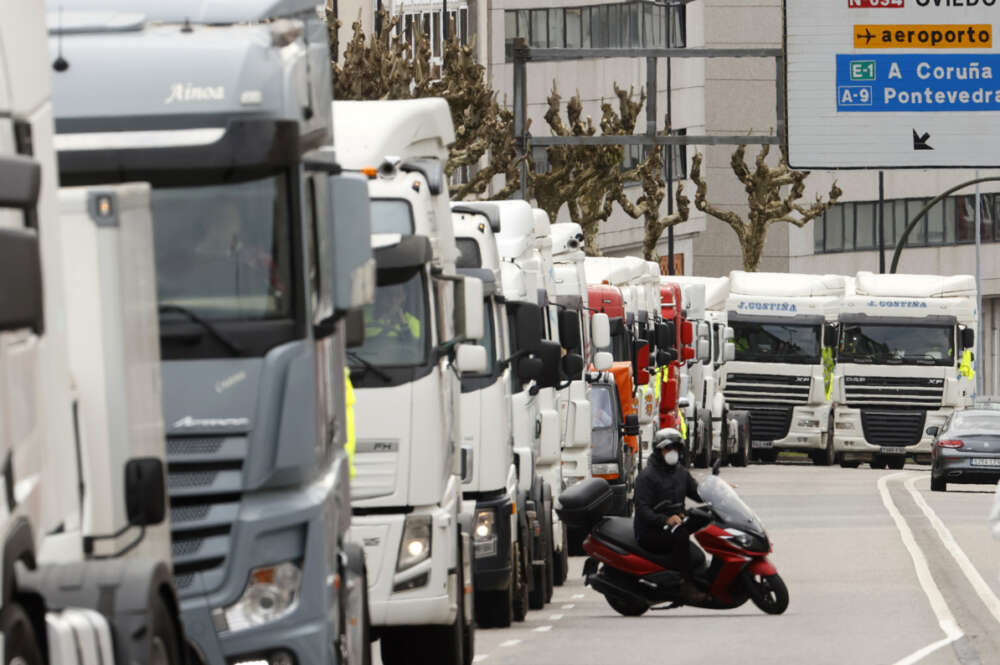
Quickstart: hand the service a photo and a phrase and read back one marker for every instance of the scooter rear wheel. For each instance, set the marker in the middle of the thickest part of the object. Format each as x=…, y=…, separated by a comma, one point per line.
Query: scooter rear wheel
x=626, y=608
x=768, y=592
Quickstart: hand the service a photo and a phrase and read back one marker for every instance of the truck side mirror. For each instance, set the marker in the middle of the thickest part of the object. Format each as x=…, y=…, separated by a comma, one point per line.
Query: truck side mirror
x=631, y=427
x=729, y=333
x=551, y=355
x=664, y=358
x=21, y=264
x=687, y=353
x=569, y=330
x=704, y=330
x=572, y=365
x=704, y=350
x=968, y=338
x=346, y=244
x=600, y=331
x=530, y=368
x=355, y=328
x=469, y=322
x=687, y=333
x=666, y=336
x=603, y=361
x=642, y=363
x=471, y=359
x=145, y=491
x=829, y=335
x=729, y=352
x=527, y=324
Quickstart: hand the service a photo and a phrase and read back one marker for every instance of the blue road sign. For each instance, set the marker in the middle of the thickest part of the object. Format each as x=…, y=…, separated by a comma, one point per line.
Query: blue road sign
x=921, y=82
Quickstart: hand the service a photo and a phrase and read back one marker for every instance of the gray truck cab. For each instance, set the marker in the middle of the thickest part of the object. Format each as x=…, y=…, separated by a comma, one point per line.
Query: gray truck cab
x=261, y=248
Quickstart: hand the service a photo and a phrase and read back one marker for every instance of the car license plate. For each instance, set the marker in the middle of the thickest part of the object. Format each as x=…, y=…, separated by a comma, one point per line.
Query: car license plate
x=985, y=461
x=763, y=444
x=891, y=450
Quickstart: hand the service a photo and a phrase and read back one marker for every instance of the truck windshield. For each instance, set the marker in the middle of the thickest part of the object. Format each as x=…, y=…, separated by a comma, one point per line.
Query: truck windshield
x=392, y=216
x=396, y=329
x=897, y=344
x=777, y=342
x=224, y=251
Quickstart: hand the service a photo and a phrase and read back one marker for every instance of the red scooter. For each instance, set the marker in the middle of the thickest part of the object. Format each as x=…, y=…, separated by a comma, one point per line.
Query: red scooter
x=633, y=580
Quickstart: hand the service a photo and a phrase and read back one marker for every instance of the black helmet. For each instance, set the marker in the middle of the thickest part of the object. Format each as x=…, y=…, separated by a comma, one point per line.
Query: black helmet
x=668, y=437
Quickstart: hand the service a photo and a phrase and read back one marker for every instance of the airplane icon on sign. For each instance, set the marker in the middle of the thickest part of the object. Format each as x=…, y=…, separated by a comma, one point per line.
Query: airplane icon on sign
x=868, y=36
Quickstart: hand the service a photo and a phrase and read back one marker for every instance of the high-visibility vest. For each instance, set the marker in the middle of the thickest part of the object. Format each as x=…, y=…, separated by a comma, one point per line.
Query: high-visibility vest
x=683, y=424
x=828, y=366
x=393, y=328
x=351, y=443
x=965, y=367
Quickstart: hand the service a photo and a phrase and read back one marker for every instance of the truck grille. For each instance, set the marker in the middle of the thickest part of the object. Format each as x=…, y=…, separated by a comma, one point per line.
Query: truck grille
x=893, y=427
x=767, y=389
x=893, y=392
x=205, y=483
x=766, y=424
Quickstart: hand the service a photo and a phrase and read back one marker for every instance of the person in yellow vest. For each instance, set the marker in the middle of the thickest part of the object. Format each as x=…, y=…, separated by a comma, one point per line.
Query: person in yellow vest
x=350, y=443
x=390, y=319
x=965, y=367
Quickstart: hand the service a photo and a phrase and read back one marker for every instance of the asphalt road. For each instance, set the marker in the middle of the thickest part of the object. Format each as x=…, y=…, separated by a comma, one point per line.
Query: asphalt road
x=879, y=569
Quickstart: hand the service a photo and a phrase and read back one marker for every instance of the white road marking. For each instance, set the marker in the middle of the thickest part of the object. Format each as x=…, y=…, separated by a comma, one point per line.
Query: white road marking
x=982, y=589
x=946, y=620
x=577, y=596
x=555, y=617
x=480, y=658
x=510, y=643
x=543, y=629
x=568, y=606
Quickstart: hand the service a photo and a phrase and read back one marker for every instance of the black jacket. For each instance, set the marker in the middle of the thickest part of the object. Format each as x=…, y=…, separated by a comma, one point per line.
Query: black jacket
x=659, y=482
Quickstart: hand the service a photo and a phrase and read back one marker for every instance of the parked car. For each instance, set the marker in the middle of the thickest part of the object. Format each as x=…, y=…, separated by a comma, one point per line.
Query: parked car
x=967, y=447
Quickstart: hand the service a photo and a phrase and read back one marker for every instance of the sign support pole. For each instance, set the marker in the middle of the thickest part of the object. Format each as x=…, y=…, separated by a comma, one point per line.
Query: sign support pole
x=979, y=291
x=881, y=222
x=670, y=148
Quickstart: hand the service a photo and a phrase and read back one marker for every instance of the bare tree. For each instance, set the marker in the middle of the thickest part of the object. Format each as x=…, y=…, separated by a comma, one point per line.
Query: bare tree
x=654, y=191
x=773, y=196
x=390, y=64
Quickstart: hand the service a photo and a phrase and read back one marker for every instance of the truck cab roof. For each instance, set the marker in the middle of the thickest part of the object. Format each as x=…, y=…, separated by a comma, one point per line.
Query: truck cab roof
x=212, y=12
x=716, y=288
x=914, y=286
x=775, y=284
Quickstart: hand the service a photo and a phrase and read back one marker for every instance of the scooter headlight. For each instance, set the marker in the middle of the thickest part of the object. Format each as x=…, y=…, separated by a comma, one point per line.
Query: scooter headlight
x=416, y=543
x=271, y=593
x=747, y=541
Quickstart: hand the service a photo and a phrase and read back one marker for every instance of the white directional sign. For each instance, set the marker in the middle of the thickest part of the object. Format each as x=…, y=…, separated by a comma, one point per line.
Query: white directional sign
x=893, y=83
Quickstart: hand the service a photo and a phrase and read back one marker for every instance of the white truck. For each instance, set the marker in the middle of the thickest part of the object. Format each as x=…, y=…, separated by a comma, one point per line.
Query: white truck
x=782, y=371
x=84, y=496
x=526, y=252
x=730, y=429
x=901, y=344
x=407, y=494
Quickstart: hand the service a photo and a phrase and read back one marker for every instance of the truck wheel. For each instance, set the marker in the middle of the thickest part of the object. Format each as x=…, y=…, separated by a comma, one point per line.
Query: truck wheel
x=742, y=440
x=357, y=623
x=706, y=426
x=468, y=628
x=550, y=562
x=562, y=560
x=519, y=582
x=896, y=463
x=536, y=597
x=164, y=646
x=429, y=645
x=20, y=644
x=850, y=464
x=702, y=452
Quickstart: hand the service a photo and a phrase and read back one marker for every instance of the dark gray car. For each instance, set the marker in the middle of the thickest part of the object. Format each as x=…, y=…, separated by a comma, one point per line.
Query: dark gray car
x=967, y=448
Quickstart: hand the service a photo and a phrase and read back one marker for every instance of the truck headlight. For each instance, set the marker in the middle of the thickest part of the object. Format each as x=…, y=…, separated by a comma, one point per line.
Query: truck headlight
x=416, y=544
x=843, y=425
x=484, y=535
x=807, y=423
x=272, y=592
x=604, y=469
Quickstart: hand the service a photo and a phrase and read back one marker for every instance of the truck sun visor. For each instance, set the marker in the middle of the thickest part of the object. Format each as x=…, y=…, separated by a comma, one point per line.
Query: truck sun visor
x=410, y=252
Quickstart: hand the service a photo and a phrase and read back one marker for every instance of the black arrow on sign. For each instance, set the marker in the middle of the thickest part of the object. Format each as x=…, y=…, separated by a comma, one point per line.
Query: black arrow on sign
x=920, y=142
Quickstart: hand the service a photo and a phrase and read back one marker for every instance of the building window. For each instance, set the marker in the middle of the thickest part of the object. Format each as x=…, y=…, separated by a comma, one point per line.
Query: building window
x=540, y=155
x=849, y=227
x=635, y=24
x=679, y=156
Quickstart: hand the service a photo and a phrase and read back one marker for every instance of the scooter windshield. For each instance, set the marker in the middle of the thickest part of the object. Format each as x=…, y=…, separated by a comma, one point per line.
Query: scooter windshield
x=728, y=505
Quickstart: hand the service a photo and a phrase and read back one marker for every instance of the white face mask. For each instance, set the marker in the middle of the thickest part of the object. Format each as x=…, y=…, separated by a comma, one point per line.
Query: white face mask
x=671, y=457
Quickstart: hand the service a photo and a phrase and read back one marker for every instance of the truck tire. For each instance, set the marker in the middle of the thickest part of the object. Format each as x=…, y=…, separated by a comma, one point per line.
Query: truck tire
x=706, y=425
x=536, y=597
x=520, y=582
x=702, y=452
x=742, y=454
x=20, y=643
x=468, y=628
x=357, y=630
x=562, y=560
x=164, y=645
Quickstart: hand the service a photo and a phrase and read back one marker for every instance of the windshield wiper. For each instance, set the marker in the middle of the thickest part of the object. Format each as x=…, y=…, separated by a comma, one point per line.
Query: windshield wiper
x=369, y=366
x=226, y=341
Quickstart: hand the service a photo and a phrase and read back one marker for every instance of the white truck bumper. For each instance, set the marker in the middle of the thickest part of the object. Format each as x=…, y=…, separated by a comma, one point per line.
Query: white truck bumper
x=849, y=437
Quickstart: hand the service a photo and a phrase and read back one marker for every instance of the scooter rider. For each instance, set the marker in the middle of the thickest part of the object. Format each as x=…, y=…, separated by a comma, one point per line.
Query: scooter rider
x=659, y=494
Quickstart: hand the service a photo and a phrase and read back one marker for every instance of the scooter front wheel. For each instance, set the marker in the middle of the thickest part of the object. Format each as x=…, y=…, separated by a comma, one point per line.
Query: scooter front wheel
x=768, y=592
